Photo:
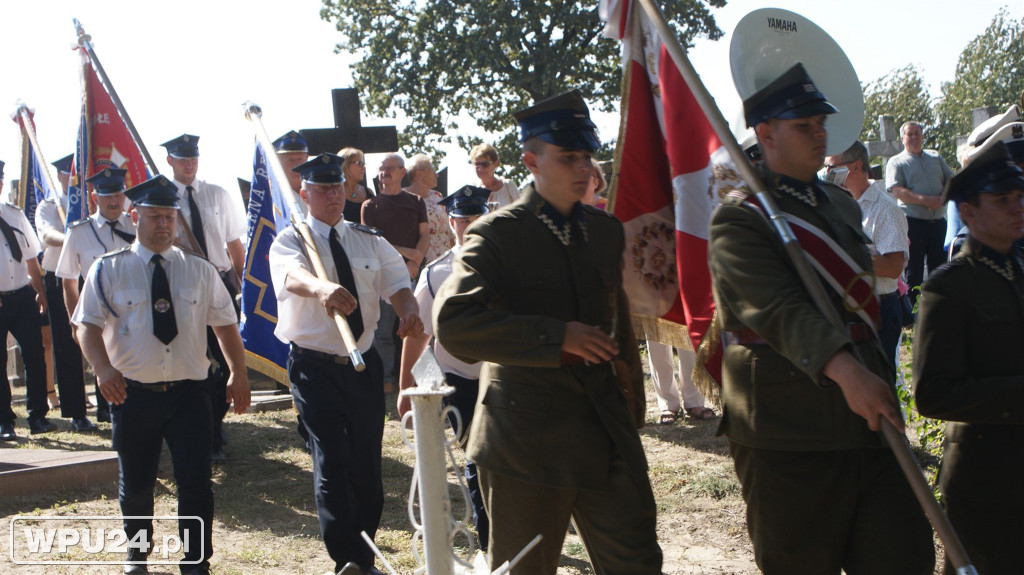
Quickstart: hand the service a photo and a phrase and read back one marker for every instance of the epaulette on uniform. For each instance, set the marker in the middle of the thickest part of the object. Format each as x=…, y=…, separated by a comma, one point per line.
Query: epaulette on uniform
x=735, y=197
x=439, y=259
x=79, y=222
x=366, y=229
x=117, y=252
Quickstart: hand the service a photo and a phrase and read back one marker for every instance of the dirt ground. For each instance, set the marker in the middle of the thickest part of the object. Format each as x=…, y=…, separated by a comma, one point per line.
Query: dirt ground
x=265, y=520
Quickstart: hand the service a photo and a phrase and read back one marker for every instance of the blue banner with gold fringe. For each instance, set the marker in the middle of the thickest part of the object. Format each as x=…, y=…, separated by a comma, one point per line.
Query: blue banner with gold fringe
x=267, y=213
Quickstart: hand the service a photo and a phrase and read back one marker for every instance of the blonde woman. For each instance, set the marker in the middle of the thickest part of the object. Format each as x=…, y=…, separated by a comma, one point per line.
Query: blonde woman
x=354, y=168
x=485, y=161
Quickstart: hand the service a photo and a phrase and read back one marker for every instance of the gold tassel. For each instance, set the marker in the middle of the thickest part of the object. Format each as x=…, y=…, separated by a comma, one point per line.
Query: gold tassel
x=711, y=341
x=266, y=367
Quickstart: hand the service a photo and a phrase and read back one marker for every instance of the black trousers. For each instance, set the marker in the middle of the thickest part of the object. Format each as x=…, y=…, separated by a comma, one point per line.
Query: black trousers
x=68, y=372
x=181, y=417
x=343, y=411
x=19, y=316
x=464, y=400
x=819, y=512
x=926, y=240
x=892, y=323
x=217, y=381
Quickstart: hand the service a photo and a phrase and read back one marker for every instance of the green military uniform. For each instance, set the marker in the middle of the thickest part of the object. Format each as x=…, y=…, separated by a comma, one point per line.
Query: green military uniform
x=822, y=493
x=544, y=418
x=969, y=370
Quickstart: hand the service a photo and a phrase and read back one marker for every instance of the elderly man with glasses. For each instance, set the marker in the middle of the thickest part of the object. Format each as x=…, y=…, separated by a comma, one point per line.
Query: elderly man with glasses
x=885, y=224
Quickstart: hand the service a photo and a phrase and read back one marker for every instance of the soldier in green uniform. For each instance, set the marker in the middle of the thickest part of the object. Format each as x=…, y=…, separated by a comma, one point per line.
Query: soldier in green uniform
x=536, y=294
x=800, y=410
x=968, y=366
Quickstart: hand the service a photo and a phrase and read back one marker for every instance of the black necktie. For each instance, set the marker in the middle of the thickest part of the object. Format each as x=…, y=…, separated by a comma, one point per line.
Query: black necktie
x=164, y=326
x=197, y=220
x=120, y=233
x=12, y=241
x=347, y=281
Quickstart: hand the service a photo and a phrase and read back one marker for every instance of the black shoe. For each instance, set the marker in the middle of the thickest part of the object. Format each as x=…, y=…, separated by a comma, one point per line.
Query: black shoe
x=135, y=555
x=350, y=569
x=7, y=432
x=217, y=455
x=82, y=425
x=103, y=416
x=198, y=570
x=41, y=426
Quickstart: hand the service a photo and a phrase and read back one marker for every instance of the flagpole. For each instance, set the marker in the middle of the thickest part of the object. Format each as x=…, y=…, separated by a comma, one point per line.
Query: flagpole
x=897, y=441
x=85, y=41
x=255, y=115
x=26, y=129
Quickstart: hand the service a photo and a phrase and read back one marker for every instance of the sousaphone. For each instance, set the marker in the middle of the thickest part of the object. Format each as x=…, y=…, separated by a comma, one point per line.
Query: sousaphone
x=769, y=41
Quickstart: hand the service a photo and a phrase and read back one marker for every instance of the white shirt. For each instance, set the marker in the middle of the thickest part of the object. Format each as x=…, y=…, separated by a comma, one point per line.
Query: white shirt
x=197, y=293
x=223, y=219
x=87, y=240
x=430, y=281
x=47, y=219
x=886, y=224
x=14, y=274
x=378, y=269
x=506, y=195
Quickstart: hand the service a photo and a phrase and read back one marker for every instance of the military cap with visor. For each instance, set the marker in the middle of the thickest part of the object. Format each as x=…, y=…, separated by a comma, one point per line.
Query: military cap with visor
x=184, y=146
x=108, y=181
x=790, y=96
x=466, y=202
x=323, y=169
x=291, y=142
x=156, y=192
x=562, y=120
x=993, y=171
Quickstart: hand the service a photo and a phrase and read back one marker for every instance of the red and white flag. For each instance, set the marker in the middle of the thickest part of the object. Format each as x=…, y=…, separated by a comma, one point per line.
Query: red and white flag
x=671, y=170
x=104, y=139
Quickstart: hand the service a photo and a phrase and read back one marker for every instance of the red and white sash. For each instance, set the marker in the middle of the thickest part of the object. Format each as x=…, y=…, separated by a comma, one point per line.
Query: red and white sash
x=853, y=284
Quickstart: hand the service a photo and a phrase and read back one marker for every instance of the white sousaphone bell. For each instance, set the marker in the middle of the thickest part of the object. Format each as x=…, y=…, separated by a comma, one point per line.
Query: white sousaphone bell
x=768, y=42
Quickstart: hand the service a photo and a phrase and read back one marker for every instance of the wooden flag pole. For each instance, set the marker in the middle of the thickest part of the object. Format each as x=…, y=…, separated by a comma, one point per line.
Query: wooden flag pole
x=896, y=440
x=188, y=242
x=26, y=129
x=255, y=115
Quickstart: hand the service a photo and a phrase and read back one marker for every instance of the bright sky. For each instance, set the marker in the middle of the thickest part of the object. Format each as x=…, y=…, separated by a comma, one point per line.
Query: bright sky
x=187, y=66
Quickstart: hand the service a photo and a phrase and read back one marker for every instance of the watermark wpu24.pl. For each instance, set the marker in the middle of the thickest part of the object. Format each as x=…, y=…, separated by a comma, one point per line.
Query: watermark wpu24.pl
x=101, y=540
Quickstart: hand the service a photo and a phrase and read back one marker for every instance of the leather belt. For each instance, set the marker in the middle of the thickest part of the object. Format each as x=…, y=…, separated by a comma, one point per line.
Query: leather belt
x=321, y=355
x=14, y=291
x=858, y=331
x=158, y=387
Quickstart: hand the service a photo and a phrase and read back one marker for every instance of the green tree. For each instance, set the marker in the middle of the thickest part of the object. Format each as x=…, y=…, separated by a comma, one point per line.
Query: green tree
x=901, y=94
x=434, y=61
x=990, y=72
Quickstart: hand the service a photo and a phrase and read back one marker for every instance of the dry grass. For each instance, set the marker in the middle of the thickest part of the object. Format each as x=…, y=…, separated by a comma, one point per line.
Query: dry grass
x=265, y=520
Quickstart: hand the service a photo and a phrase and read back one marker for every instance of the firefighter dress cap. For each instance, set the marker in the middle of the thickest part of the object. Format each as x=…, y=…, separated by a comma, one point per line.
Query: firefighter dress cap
x=108, y=181
x=156, y=192
x=323, y=169
x=467, y=201
x=184, y=146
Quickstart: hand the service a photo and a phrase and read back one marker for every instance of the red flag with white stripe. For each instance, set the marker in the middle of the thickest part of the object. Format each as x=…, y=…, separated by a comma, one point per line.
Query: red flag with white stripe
x=671, y=172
